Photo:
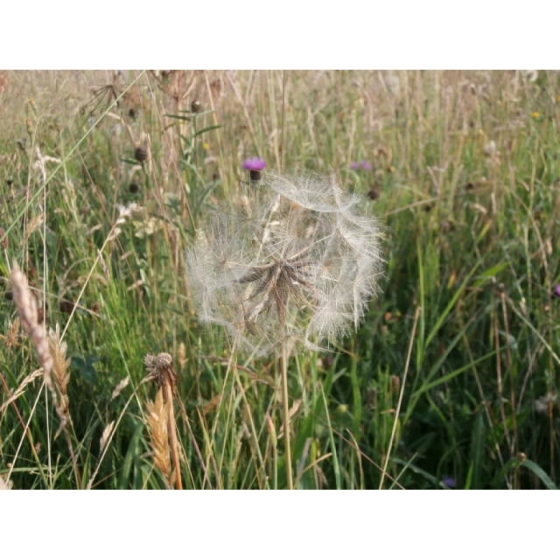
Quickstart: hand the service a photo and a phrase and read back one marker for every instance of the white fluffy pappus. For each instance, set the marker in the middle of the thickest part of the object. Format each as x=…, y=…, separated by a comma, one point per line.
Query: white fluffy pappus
x=295, y=260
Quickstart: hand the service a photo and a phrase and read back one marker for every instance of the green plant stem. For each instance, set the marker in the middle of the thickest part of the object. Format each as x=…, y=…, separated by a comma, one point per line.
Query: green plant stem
x=401, y=394
x=286, y=414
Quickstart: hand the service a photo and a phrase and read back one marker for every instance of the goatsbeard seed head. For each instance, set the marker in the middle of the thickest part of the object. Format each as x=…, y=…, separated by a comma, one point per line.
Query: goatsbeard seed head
x=296, y=261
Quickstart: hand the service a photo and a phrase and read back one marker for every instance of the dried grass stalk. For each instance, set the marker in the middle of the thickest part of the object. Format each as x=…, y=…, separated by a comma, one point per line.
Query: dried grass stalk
x=59, y=390
x=120, y=387
x=27, y=310
x=161, y=418
x=106, y=436
x=21, y=389
x=60, y=376
x=158, y=415
x=50, y=348
x=51, y=352
x=11, y=338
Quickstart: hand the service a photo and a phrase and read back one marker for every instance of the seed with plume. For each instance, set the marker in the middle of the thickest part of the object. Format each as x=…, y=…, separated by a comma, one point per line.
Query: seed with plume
x=296, y=259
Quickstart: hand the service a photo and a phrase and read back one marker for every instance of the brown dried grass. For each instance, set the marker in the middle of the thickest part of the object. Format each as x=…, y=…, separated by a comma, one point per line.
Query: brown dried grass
x=51, y=352
x=26, y=305
x=161, y=419
x=158, y=420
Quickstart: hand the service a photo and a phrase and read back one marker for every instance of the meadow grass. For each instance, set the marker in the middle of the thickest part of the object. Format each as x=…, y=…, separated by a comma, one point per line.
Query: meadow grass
x=450, y=380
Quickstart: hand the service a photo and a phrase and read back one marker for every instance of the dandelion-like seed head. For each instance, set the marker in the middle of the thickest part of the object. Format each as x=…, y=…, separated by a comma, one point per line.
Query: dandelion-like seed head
x=295, y=262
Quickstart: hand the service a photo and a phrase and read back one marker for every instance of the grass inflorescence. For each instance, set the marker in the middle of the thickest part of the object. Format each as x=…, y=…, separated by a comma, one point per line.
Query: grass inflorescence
x=129, y=224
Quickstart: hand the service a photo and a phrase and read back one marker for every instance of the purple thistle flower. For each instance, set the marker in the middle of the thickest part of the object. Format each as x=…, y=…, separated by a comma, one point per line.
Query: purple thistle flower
x=355, y=165
x=254, y=164
x=449, y=482
x=556, y=291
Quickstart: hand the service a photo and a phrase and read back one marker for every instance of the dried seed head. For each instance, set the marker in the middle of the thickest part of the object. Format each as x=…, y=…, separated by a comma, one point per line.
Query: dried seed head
x=161, y=369
x=299, y=260
x=374, y=192
x=60, y=376
x=106, y=436
x=119, y=388
x=157, y=419
x=27, y=310
x=140, y=154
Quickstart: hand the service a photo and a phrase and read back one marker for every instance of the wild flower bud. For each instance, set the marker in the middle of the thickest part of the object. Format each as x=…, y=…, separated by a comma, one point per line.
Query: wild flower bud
x=140, y=154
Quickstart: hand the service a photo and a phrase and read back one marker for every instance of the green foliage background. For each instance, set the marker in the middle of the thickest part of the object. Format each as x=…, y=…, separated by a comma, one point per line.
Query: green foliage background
x=454, y=372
